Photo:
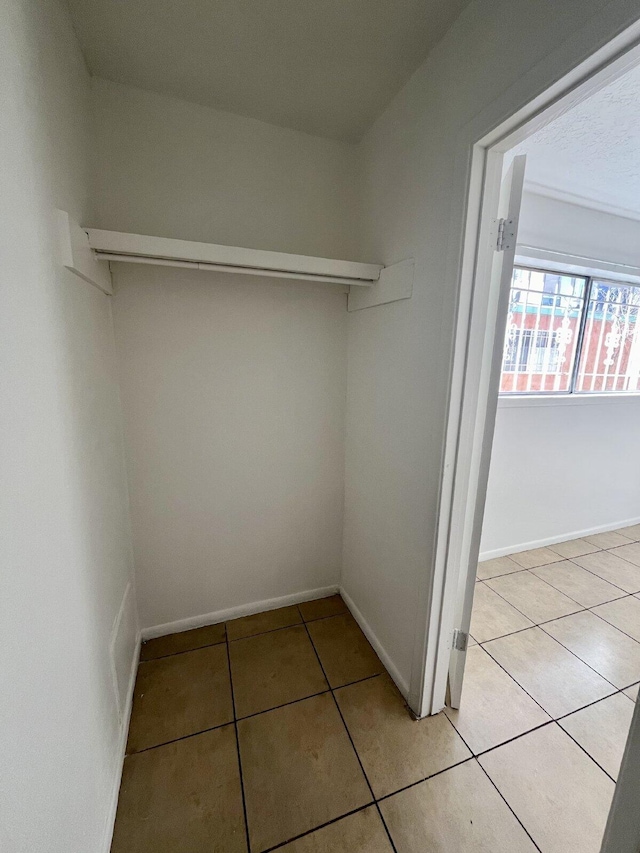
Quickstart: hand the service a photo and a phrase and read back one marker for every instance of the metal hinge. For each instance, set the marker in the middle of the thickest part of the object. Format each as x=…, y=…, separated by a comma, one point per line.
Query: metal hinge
x=460, y=640
x=504, y=233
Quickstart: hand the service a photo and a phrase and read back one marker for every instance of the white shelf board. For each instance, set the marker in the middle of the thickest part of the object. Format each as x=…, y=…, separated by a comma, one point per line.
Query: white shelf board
x=229, y=258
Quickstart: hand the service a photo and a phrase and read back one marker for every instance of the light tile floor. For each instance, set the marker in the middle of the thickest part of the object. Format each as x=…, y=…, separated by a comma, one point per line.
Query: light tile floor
x=283, y=731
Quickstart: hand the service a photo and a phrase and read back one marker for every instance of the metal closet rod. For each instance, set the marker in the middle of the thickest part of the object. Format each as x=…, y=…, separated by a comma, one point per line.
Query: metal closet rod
x=165, y=262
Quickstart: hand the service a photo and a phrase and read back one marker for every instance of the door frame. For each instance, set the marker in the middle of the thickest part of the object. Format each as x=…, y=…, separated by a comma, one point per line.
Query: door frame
x=469, y=431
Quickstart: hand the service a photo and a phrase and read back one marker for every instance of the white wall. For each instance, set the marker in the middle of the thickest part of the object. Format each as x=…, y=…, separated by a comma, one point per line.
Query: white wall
x=169, y=168
x=234, y=391
x=561, y=468
x=561, y=226
x=565, y=467
x=233, y=388
x=496, y=57
x=66, y=552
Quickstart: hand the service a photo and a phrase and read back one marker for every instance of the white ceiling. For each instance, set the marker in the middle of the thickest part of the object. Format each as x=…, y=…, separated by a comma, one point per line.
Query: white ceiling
x=591, y=154
x=328, y=67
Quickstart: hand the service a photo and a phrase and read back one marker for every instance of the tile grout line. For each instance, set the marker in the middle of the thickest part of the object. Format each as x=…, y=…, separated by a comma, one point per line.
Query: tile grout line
x=250, y=716
x=616, y=688
x=181, y=738
x=237, y=639
x=631, y=595
x=556, y=618
x=569, y=560
x=426, y=778
x=353, y=746
x=604, y=551
x=517, y=682
x=580, y=606
x=580, y=708
x=623, y=592
x=235, y=727
x=474, y=757
x=489, y=749
x=282, y=844
x=588, y=754
x=504, y=799
x=182, y=651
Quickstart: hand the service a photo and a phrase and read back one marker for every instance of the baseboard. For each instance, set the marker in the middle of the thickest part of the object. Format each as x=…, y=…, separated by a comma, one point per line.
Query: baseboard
x=553, y=540
x=389, y=665
x=235, y=612
x=122, y=747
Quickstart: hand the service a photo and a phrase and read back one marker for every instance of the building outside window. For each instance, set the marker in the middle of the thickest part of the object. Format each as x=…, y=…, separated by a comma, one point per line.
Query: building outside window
x=570, y=334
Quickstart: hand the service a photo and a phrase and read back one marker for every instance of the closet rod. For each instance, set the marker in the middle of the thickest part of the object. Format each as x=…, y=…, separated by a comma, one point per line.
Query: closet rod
x=164, y=262
x=116, y=244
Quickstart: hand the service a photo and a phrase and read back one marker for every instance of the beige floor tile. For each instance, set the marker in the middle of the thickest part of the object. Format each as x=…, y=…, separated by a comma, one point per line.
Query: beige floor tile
x=573, y=548
x=184, y=641
x=184, y=796
x=632, y=532
x=362, y=832
x=536, y=557
x=497, y=566
x=614, y=569
x=533, y=597
x=602, y=730
x=396, y=750
x=322, y=607
x=493, y=617
x=579, y=584
x=180, y=695
x=259, y=623
x=623, y=614
x=299, y=770
x=559, y=794
x=481, y=721
x=273, y=669
x=472, y=641
x=458, y=811
x=632, y=692
x=611, y=653
x=608, y=540
x=550, y=674
x=344, y=651
x=629, y=552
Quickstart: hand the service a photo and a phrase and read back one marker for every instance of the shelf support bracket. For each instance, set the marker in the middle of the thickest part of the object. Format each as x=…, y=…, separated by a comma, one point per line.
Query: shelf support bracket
x=77, y=255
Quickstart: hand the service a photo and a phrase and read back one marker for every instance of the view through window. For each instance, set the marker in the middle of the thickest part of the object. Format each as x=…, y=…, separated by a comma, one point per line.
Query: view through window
x=570, y=334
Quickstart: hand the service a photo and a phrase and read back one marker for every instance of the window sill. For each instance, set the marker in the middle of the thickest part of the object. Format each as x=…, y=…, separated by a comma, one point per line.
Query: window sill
x=517, y=401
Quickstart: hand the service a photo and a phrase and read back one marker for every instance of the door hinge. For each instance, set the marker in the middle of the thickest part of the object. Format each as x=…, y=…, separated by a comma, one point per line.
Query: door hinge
x=505, y=233
x=460, y=640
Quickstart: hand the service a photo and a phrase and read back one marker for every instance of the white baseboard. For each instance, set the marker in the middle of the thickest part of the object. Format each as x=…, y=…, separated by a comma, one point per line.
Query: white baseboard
x=235, y=612
x=553, y=540
x=389, y=665
x=122, y=747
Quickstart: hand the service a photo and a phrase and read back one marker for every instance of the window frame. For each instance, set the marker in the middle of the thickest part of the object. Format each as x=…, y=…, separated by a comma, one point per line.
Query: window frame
x=571, y=391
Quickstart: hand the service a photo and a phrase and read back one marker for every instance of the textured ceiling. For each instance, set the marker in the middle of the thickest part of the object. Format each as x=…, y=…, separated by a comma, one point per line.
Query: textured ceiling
x=592, y=152
x=328, y=67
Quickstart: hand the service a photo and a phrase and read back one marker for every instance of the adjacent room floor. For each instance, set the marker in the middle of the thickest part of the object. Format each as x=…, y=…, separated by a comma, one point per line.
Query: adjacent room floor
x=282, y=730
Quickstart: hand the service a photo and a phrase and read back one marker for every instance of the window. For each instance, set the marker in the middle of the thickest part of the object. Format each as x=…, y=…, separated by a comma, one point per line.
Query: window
x=569, y=333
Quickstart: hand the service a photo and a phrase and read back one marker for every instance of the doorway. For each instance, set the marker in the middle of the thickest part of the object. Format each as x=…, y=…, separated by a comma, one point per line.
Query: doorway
x=502, y=274
x=486, y=279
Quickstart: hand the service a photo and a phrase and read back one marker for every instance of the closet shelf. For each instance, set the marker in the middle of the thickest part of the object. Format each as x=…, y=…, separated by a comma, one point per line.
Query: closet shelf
x=138, y=248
